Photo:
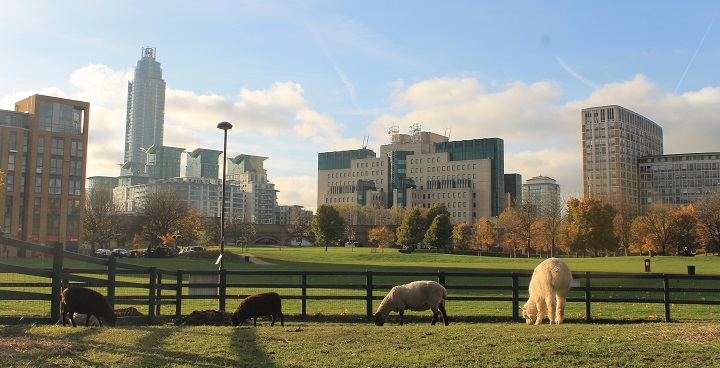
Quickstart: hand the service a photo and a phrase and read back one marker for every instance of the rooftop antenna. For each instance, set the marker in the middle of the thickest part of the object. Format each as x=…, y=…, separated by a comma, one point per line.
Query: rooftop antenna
x=447, y=133
x=393, y=132
x=414, y=130
x=365, y=141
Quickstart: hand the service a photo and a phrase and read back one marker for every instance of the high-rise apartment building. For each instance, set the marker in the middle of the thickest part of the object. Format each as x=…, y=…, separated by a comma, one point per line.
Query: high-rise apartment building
x=420, y=168
x=163, y=162
x=678, y=179
x=202, y=163
x=145, y=112
x=246, y=174
x=543, y=194
x=614, y=138
x=43, y=153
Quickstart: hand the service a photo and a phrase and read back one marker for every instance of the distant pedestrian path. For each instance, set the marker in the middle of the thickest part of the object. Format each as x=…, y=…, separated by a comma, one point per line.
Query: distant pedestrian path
x=256, y=260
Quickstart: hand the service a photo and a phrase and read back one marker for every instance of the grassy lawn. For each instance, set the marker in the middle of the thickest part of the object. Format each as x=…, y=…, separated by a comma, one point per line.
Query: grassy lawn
x=306, y=344
x=338, y=335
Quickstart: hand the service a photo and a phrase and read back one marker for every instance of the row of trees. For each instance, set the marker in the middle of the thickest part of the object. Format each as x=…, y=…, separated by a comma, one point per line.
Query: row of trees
x=578, y=226
x=587, y=226
x=594, y=227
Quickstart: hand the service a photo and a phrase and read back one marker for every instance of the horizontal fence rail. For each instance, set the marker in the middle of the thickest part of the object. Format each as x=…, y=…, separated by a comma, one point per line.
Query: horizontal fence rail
x=163, y=294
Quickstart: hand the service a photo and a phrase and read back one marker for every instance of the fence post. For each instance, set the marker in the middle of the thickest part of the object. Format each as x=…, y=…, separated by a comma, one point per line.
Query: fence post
x=112, y=271
x=56, y=290
x=369, y=293
x=151, y=294
x=178, y=295
x=588, y=295
x=303, y=307
x=222, y=294
x=158, y=292
x=666, y=290
x=515, y=296
x=441, y=278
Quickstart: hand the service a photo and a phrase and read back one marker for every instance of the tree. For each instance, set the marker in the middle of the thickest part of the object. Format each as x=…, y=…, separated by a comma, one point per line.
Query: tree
x=189, y=228
x=683, y=237
x=383, y=236
x=163, y=211
x=588, y=225
x=622, y=223
x=300, y=226
x=549, y=226
x=484, y=235
x=397, y=215
x=433, y=212
x=412, y=230
x=440, y=232
x=462, y=236
x=209, y=231
x=656, y=225
x=708, y=216
x=370, y=215
x=327, y=225
x=239, y=229
x=100, y=221
x=518, y=222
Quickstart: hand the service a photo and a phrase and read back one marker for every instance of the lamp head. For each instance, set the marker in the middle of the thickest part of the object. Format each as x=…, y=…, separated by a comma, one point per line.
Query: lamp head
x=224, y=126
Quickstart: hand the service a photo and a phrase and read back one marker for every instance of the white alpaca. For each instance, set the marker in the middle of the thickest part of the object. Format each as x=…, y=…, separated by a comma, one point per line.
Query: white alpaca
x=550, y=283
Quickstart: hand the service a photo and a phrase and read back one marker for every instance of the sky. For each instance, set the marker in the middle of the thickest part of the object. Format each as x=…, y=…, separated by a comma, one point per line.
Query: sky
x=296, y=78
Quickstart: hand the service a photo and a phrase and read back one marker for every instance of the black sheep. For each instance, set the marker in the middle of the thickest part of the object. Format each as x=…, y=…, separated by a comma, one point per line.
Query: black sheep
x=86, y=301
x=258, y=305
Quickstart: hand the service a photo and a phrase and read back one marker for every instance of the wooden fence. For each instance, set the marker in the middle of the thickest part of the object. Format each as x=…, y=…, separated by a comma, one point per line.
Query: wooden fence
x=154, y=288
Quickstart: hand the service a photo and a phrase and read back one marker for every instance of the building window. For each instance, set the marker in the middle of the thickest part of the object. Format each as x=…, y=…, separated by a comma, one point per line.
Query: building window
x=57, y=146
x=55, y=186
x=13, y=141
x=77, y=148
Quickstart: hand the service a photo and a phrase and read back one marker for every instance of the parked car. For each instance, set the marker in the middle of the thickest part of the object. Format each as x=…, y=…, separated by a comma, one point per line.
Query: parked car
x=119, y=252
x=105, y=253
x=161, y=252
x=195, y=248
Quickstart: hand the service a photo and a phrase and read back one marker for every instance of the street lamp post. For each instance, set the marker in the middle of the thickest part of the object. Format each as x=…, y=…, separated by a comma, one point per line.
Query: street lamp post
x=225, y=126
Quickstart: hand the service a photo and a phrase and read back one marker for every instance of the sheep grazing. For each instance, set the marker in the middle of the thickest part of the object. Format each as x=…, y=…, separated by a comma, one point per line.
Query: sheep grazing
x=89, y=302
x=258, y=305
x=416, y=296
x=80, y=319
x=550, y=283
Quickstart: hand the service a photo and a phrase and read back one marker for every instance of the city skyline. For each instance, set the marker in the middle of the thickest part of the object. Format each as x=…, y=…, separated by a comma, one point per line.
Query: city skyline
x=296, y=79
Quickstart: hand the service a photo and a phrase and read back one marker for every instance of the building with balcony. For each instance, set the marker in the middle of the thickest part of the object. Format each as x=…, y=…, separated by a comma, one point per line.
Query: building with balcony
x=43, y=153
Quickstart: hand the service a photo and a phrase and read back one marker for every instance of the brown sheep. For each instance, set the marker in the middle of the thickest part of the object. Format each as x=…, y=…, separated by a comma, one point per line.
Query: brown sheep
x=86, y=301
x=258, y=305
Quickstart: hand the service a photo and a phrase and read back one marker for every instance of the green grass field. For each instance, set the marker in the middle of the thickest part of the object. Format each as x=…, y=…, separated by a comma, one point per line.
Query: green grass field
x=624, y=335
x=304, y=344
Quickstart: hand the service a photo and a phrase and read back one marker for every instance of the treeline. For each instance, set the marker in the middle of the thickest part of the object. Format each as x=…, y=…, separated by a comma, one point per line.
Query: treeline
x=576, y=226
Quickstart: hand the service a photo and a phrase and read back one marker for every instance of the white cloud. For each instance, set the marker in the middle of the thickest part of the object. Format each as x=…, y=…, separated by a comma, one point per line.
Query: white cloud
x=541, y=133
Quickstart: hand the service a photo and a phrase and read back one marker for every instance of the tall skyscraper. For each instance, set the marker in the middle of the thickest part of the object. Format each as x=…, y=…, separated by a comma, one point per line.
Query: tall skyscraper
x=145, y=113
x=614, y=138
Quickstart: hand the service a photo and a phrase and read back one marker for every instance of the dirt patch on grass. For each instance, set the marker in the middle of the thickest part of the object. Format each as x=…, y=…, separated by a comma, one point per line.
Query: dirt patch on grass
x=15, y=345
x=688, y=332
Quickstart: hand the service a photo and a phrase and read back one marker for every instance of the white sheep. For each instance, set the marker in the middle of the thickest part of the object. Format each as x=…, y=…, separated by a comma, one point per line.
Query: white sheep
x=81, y=318
x=550, y=283
x=417, y=296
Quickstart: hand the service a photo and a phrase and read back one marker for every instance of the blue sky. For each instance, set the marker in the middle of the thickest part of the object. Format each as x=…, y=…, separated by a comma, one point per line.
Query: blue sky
x=300, y=77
